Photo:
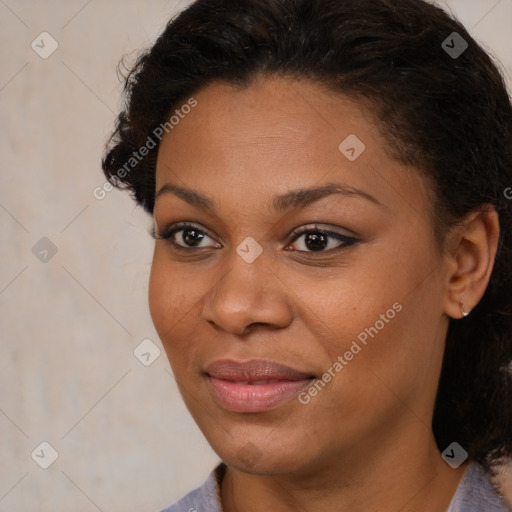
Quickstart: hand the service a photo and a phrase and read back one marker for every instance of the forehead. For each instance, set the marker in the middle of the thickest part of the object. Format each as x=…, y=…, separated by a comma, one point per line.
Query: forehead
x=275, y=111
x=278, y=134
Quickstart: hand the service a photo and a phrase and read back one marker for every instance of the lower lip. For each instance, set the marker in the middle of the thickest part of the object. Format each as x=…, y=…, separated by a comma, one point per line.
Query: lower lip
x=254, y=397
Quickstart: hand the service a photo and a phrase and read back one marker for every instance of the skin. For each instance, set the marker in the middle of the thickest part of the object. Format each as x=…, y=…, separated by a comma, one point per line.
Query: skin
x=506, y=482
x=364, y=442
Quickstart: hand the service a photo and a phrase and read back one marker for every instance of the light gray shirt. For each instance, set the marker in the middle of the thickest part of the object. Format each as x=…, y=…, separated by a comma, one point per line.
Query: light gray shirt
x=475, y=493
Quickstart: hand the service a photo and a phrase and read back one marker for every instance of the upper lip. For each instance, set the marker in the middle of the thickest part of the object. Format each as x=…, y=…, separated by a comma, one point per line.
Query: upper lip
x=253, y=370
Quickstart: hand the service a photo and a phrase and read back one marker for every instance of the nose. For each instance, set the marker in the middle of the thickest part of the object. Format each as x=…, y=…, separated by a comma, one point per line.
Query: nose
x=248, y=295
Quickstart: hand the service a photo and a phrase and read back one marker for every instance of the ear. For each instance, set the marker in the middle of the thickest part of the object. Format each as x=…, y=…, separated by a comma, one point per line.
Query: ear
x=471, y=250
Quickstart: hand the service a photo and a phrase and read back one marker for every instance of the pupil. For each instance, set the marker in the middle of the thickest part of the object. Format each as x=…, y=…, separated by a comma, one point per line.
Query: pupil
x=191, y=239
x=318, y=242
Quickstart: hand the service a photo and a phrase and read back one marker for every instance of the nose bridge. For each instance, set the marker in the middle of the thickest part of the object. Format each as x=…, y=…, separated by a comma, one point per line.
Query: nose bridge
x=248, y=293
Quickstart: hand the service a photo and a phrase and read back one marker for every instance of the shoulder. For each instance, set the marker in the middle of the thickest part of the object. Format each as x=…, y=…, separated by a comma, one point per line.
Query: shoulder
x=476, y=493
x=203, y=499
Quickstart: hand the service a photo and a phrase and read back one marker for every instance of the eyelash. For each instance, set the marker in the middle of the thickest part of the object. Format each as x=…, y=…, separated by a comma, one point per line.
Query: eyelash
x=168, y=233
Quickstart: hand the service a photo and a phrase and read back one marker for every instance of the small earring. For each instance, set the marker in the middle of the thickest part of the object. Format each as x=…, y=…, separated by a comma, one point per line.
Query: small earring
x=464, y=314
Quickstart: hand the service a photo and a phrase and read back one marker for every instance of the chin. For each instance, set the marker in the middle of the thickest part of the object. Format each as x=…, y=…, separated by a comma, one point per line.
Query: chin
x=257, y=454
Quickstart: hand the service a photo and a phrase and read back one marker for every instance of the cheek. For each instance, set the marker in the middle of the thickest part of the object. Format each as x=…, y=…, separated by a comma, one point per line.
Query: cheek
x=397, y=329
x=175, y=298
x=169, y=302
x=390, y=300
x=159, y=295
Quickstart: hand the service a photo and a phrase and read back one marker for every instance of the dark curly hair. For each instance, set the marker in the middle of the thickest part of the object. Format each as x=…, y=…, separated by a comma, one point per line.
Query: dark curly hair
x=448, y=115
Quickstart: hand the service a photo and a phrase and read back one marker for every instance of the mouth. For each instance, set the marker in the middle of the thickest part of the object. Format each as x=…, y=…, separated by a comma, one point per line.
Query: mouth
x=255, y=385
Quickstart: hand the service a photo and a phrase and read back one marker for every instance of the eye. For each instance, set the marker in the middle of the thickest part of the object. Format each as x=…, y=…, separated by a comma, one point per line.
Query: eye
x=191, y=236
x=321, y=240
x=185, y=236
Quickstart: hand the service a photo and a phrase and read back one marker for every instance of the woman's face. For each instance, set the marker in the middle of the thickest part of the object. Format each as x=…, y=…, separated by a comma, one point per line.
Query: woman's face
x=355, y=302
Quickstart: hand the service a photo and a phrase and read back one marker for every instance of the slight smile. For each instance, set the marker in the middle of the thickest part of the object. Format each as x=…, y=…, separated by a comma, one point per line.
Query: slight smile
x=255, y=385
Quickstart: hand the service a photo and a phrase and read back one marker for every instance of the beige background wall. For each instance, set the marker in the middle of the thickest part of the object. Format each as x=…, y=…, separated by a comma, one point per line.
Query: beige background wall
x=69, y=325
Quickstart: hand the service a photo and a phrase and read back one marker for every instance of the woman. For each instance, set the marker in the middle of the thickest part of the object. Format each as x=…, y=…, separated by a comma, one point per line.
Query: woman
x=332, y=268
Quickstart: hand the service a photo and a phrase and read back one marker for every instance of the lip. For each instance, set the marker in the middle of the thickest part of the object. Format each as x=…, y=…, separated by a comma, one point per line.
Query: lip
x=255, y=385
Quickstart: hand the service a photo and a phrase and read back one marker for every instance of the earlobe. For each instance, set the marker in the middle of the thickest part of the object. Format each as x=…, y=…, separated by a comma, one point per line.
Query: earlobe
x=462, y=310
x=472, y=261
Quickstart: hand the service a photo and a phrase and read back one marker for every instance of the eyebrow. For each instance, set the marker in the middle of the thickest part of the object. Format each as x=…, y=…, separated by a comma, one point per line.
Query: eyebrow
x=293, y=199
